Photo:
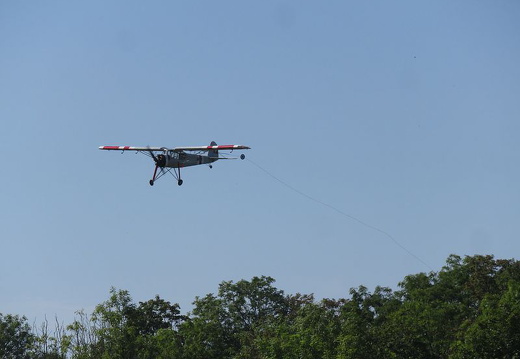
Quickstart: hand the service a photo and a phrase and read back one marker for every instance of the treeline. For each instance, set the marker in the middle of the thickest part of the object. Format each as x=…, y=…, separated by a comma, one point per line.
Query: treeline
x=468, y=309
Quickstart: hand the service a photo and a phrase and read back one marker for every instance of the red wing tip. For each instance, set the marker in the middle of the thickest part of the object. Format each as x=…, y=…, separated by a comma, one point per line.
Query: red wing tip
x=228, y=147
x=114, y=147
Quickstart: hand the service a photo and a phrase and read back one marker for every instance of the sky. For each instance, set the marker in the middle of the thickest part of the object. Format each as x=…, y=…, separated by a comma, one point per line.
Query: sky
x=402, y=115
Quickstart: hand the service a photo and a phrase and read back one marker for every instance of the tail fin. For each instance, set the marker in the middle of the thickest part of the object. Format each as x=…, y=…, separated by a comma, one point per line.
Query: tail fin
x=213, y=153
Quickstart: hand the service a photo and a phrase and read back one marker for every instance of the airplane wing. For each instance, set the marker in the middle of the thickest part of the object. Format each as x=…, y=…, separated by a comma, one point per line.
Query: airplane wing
x=208, y=148
x=131, y=148
x=176, y=149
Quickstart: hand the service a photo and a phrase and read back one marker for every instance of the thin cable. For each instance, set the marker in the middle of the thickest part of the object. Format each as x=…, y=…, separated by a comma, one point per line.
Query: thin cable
x=340, y=212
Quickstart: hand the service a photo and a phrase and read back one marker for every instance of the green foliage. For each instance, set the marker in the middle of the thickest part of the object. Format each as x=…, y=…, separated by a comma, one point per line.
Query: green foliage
x=469, y=309
x=15, y=337
x=228, y=325
x=495, y=332
x=126, y=330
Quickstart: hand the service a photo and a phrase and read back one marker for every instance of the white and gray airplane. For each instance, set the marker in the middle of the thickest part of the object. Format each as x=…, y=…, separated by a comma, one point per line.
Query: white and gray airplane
x=171, y=160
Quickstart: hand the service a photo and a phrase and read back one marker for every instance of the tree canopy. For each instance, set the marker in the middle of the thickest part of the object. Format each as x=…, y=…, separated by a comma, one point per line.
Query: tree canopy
x=468, y=309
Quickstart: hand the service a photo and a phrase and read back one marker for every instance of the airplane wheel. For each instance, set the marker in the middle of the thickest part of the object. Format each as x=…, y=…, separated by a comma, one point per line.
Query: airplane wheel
x=179, y=182
x=210, y=166
x=242, y=156
x=151, y=182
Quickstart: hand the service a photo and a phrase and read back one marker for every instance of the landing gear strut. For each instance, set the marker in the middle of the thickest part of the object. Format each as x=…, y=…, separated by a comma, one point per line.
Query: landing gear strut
x=177, y=175
x=154, y=173
x=174, y=171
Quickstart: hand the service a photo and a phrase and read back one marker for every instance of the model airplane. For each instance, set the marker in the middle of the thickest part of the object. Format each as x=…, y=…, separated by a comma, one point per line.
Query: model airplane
x=171, y=160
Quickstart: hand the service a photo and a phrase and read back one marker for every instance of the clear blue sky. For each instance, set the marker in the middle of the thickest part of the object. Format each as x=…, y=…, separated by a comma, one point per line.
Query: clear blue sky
x=403, y=114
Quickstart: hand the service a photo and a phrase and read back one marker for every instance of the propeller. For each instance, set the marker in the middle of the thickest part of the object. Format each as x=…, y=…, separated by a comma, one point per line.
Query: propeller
x=160, y=161
x=152, y=154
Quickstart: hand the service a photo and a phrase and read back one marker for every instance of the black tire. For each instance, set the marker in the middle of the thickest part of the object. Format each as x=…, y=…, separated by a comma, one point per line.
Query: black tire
x=151, y=182
x=179, y=182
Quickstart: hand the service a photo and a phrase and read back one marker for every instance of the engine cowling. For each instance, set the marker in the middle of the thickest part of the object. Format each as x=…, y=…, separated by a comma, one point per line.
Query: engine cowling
x=161, y=160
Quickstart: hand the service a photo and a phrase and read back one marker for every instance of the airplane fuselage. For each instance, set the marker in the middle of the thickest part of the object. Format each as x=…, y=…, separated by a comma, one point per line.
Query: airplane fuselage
x=174, y=159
